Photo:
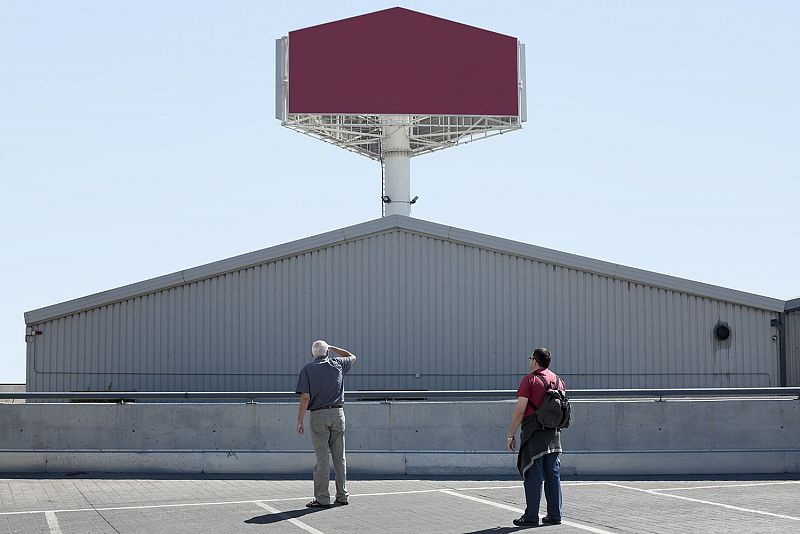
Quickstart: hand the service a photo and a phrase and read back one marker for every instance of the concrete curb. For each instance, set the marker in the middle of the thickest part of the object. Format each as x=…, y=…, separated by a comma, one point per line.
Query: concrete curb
x=403, y=463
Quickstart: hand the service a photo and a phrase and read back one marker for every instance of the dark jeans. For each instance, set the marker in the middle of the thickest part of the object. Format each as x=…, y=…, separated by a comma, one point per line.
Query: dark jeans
x=544, y=469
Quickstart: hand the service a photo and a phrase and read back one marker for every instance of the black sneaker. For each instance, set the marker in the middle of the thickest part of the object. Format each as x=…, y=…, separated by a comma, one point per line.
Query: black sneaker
x=523, y=522
x=546, y=520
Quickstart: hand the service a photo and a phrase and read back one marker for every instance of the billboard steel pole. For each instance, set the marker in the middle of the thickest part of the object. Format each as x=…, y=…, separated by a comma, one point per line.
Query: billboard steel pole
x=396, y=154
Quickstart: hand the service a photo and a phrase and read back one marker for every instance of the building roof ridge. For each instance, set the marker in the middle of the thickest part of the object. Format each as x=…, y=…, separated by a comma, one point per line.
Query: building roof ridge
x=411, y=225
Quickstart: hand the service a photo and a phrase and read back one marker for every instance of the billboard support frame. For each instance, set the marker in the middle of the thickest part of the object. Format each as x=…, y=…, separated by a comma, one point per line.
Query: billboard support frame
x=362, y=134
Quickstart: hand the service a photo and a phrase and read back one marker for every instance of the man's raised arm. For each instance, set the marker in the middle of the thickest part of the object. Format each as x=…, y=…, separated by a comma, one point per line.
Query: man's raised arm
x=343, y=353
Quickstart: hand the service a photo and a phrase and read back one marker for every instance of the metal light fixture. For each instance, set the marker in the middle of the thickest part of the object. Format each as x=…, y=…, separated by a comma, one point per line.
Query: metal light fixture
x=414, y=200
x=722, y=331
x=386, y=199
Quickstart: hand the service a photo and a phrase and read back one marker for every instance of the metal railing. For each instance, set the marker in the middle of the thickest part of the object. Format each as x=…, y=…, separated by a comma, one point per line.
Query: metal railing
x=401, y=395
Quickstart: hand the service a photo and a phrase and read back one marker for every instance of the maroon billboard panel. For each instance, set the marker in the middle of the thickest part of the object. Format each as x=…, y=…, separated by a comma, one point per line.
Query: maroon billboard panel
x=398, y=61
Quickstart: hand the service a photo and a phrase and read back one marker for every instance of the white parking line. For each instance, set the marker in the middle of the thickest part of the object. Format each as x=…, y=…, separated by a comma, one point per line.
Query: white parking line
x=282, y=499
x=52, y=523
x=291, y=520
x=728, y=486
x=520, y=486
x=143, y=507
x=711, y=503
x=521, y=511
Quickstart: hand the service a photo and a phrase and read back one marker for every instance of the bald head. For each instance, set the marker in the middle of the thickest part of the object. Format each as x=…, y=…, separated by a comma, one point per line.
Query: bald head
x=319, y=348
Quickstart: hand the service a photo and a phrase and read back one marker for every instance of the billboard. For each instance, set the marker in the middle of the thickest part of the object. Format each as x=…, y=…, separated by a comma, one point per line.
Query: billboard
x=401, y=62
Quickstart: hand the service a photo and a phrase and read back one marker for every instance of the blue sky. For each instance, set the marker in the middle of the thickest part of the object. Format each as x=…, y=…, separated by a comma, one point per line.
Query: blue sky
x=138, y=139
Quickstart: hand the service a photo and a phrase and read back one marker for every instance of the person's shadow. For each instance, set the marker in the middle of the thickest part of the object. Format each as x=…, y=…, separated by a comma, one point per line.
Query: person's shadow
x=497, y=530
x=267, y=519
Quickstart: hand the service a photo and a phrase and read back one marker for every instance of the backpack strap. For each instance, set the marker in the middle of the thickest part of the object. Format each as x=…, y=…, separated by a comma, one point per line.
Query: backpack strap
x=546, y=389
x=546, y=384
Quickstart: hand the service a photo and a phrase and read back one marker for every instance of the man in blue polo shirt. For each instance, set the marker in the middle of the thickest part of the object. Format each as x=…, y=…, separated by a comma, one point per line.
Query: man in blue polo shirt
x=321, y=389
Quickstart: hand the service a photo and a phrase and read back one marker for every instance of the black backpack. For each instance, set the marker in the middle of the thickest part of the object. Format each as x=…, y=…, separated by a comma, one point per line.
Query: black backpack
x=554, y=412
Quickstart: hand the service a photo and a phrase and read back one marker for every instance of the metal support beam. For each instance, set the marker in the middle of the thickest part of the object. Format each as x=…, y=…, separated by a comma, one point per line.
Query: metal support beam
x=508, y=394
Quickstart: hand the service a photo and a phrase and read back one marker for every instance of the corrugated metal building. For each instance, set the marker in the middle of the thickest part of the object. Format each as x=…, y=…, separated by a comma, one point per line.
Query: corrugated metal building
x=792, y=336
x=425, y=306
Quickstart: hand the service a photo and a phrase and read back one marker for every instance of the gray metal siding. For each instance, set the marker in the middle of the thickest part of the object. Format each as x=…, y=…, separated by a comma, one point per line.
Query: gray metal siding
x=407, y=224
x=421, y=312
x=793, y=349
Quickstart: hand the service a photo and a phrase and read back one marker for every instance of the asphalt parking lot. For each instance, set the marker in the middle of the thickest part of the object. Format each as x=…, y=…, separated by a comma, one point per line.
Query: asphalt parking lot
x=87, y=503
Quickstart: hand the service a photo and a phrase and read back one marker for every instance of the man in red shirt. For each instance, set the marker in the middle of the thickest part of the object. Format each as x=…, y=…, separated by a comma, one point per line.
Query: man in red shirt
x=538, y=459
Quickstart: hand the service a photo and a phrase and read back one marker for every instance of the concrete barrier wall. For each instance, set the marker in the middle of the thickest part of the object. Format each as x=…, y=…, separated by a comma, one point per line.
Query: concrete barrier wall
x=607, y=437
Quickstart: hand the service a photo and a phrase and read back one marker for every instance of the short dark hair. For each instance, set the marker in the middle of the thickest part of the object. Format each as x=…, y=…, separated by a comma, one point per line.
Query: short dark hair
x=542, y=357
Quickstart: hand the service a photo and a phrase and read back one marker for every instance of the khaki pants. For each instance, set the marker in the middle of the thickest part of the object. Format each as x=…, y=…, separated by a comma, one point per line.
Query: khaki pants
x=327, y=433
